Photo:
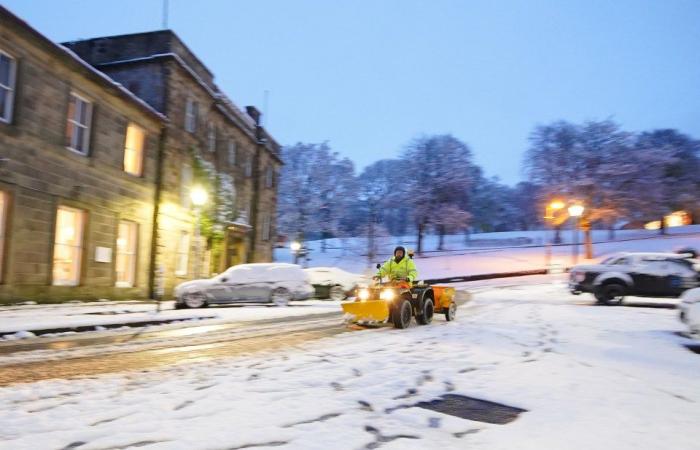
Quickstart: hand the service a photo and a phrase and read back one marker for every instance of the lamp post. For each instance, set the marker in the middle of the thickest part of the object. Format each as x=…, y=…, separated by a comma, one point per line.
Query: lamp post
x=295, y=247
x=199, y=197
x=575, y=211
x=550, y=210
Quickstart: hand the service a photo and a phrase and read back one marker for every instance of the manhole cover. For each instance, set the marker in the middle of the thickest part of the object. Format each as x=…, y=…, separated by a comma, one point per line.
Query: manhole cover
x=473, y=409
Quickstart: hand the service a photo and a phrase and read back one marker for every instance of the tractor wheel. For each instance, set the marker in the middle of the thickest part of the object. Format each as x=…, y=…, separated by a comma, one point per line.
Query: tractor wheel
x=426, y=315
x=401, y=314
x=451, y=312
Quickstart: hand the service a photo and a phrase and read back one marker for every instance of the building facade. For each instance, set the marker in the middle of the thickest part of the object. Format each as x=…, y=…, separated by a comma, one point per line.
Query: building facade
x=102, y=142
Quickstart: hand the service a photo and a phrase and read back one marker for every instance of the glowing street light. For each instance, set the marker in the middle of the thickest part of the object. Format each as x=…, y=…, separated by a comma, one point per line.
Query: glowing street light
x=199, y=196
x=576, y=210
x=295, y=246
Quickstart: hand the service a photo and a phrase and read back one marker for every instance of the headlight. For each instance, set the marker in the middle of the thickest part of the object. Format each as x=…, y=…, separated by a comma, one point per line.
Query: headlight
x=387, y=294
x=363, y=294
x=579, y=276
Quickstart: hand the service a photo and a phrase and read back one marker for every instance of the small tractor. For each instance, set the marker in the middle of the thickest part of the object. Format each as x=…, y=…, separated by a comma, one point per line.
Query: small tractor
x=397, y=301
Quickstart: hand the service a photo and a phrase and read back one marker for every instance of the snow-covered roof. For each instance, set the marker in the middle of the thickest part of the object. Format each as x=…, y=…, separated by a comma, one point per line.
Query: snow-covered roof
x=87, y=68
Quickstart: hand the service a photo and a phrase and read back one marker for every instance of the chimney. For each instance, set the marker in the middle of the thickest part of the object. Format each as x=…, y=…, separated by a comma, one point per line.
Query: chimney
x=254, y=114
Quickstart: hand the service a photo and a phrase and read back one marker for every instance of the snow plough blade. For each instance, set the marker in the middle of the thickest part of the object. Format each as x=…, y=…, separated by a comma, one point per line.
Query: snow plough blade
x=367, y=311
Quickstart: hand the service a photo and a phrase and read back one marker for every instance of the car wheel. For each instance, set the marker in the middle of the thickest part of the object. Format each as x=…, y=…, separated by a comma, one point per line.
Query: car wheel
x=195, y=300
x=337, y=293
x=611, y=294
x=451, y=312
x=426, y=315
x=401, y=314
x=281, y=297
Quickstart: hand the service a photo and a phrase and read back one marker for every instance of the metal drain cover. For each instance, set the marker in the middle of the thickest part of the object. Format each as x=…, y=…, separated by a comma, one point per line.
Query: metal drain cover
x=473, y=409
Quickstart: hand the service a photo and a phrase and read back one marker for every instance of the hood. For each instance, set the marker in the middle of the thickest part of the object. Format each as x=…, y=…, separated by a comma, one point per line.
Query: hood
x=193, y=284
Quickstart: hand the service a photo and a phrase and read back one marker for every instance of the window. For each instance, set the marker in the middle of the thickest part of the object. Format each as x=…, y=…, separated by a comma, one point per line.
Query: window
x=266, y=227
x=3, y=215
x=185, y=184
x=211, y=137
x=231, y=152
x=78, y=124
x=127, y=237
x=269, y=177
x=191, y=113
x=68, y=246
x=8, y=70
x=183, y=253
x=248, y=166
x=133, y=150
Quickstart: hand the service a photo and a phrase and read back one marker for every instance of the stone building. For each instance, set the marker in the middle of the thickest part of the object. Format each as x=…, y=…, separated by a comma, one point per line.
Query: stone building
x=77, y=175
x=78, y=113
x=208, y=141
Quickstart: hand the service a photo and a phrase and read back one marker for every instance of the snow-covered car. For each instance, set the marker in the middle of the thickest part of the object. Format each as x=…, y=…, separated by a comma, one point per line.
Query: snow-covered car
x=690, y=310
x=275, y=283
x=334, y=283
x=637, y=274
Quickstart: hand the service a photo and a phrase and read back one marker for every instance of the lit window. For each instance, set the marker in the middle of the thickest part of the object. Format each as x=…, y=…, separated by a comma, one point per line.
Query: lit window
x=191, y=113
x=78, y=124
x=8, y=70
x=211, y=137
x=68, y=246
x=232, y=153
x=183, y=252
x=126, y=254
x=133, y=150
x=185, y=184
x=3, y=215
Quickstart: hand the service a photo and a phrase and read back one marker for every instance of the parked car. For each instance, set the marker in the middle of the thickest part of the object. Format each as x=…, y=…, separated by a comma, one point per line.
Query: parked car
x=275, y=283
x=690, y=310
x=638, y=274
x=334, y=283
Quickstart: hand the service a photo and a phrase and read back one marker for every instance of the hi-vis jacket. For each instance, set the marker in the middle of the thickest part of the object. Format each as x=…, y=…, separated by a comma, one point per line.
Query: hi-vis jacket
x=405, y=268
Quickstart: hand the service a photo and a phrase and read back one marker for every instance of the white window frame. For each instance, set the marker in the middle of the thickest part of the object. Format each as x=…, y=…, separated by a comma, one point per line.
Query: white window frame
x=191, y=113
x=211, y=137
x=232, y=152
x=268, y=177
x=139, y=151
x=87, y=127
x=130, y=252
x=182, y=255
x=10, y=99
x=80, y=247
x=4, y=199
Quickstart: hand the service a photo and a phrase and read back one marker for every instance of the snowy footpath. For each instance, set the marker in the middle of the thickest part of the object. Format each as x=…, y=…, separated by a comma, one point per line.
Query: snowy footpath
x=589, y=377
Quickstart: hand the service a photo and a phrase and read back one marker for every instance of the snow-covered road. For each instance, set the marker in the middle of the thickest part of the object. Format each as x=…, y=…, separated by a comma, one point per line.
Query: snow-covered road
x=588, y=376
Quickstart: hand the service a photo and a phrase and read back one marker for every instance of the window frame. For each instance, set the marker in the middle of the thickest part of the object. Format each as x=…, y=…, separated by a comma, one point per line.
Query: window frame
x=11, y=89
x=4, y=206
x=87, y=127
x=81, y=248
x=133, y=254
x=232, y=149
x=211, y=137
x=186, y=184
x=141, y=150
x=191, y=115
x=248, y=166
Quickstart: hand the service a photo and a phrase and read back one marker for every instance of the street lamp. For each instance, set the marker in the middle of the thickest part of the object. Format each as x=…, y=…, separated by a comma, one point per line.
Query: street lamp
x=199, y=198
x=575, y=211
x=550, y=210
x=295, y=247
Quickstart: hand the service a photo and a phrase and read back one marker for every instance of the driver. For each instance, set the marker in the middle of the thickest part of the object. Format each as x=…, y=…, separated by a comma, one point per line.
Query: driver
x=399, y=267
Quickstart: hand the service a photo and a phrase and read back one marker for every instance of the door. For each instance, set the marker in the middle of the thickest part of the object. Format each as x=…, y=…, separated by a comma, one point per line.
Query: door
x=651, y=278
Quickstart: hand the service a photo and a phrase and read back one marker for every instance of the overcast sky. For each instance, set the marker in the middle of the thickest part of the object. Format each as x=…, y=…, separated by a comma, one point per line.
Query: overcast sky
x=369, y=75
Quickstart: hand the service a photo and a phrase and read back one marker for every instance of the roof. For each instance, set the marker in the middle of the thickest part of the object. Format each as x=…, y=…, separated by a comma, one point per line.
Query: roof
x=97, y=76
